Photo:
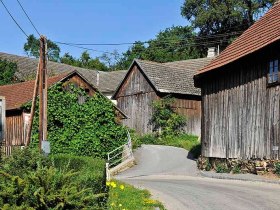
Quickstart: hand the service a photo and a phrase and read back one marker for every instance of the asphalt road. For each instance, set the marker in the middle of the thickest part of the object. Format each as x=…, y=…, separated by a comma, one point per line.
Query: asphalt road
x=172, y=178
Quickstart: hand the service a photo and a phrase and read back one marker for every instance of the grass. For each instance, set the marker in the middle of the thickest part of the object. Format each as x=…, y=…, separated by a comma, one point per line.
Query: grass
x=186, y=141
x=123, y=196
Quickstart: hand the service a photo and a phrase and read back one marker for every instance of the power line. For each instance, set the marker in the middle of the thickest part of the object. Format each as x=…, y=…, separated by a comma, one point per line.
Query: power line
x=28, y=18
x=147, y=42
x=14, y=19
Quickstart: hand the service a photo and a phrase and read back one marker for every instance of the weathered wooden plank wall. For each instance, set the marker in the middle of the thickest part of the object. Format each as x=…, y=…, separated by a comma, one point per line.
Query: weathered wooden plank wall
x=14, y=129
x=240, y=113
x=191, y=109
x=135, y=100
x=2, y=118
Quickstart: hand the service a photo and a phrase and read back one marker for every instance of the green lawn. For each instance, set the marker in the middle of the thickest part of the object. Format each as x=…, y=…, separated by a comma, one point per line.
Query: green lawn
x=123, y=196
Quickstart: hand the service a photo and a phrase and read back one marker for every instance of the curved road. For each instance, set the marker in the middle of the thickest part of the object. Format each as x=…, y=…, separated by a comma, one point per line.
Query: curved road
x=172, y=178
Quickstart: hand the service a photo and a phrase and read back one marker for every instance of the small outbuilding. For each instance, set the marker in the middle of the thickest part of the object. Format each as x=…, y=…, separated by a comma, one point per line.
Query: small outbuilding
x=14, y=120
x=148, y=81
x=241, y=95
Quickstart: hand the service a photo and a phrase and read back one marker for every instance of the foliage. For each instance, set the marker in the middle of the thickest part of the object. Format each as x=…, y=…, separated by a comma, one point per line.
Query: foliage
x=56, y=182
x=164, y=118
x=32, y=48
x=171, y=44
x=223, y=16
x=124, y=196
x=236, y=169
x=186, y=141
x=85, y=61
x=277, y=169
x=82, y=129
x=7, y=72
x=222, y=168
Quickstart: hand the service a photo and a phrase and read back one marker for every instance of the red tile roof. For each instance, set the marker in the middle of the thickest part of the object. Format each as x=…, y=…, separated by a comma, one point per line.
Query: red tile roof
x=264, y=32
x=18, y=94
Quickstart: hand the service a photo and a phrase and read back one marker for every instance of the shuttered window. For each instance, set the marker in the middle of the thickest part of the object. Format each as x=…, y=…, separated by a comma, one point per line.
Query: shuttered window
x=273, y=76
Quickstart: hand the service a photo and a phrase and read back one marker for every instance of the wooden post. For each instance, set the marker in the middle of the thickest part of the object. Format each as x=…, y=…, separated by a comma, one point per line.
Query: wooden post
x=35, y=93
x=42, y=92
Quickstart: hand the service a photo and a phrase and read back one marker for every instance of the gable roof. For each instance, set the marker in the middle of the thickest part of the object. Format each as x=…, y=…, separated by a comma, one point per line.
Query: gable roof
x=264, y=32
x=18, y=94
x=27, y=68
x=172, y=77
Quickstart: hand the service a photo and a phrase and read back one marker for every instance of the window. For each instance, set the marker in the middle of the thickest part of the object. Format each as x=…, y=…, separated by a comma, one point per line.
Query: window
x=273, y=76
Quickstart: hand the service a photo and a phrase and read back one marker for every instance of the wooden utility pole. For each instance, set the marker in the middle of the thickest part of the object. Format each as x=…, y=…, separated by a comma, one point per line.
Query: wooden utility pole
x=43, y=92
x=41, y=88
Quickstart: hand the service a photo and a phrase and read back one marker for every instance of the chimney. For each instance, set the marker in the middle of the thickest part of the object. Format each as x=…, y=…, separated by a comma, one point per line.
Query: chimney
x=212, y=52
x=97, y=79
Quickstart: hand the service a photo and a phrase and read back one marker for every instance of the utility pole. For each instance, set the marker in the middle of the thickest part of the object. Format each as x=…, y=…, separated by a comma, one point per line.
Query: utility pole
x=41, y=89
x=43, y=92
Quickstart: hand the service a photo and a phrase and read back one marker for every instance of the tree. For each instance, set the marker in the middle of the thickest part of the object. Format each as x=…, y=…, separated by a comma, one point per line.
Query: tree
x=85, y=61
x=7, y=72
x=214, y=17
x=32, y=48
x=171, y=44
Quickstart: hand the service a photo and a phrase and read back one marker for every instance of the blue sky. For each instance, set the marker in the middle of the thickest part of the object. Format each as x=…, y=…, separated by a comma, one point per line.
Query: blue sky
x=88, y=21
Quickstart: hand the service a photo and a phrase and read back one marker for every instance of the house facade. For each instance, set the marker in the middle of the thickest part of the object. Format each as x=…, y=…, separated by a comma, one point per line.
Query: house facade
x=241, y=95
x=15, y=120
x=148, y=81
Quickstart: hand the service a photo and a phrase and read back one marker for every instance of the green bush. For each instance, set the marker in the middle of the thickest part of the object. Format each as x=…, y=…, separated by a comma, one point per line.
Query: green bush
x=87, y=129
x=55, y=182
x=164, y=118
x=277, y=168
x=222, y=168
x=236, y=169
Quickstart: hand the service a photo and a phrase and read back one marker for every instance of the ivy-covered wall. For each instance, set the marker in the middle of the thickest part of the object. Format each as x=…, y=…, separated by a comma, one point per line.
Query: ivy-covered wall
x=82, y=129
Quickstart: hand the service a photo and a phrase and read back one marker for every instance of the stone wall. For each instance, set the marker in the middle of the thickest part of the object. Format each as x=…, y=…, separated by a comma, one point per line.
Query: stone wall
x=237, y=165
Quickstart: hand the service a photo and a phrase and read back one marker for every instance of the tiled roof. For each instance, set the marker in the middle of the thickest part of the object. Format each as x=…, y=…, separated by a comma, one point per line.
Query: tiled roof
x=108, y=81
x=18, y=94
x=173, y=77
x=264, y=32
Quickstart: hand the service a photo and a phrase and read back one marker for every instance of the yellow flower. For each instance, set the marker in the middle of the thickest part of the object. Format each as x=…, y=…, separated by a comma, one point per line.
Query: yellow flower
x=120, y=205
x=108, y=183
x=122, y=187
x=112, y=204
x=113, y=184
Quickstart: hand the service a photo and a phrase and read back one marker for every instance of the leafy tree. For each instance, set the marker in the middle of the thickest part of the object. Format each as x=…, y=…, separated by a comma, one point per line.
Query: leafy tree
x=85, y=61
x=212, y=17
x=7, y=72
x=171, y=44
x=32, y=48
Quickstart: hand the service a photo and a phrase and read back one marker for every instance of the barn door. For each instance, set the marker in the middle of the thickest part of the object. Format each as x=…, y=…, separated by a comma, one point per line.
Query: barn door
x=2, y=118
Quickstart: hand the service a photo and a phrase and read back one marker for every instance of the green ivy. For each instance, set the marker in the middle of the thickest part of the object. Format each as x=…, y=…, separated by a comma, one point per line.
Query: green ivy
x=7, y=72
x=87, y=129
x=164, y=119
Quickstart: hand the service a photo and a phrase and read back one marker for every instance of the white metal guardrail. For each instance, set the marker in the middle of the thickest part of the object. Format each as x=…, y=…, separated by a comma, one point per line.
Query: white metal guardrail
x=119, y=155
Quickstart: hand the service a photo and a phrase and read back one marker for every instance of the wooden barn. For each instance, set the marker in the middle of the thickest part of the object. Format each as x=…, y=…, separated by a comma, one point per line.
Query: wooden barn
x=15, y=120
x=147, y=81
x=241, y=95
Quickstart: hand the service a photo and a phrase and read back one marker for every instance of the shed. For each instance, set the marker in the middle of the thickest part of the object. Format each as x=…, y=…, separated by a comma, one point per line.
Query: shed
x=16, y=95
x=147, y=81
x=241, y=95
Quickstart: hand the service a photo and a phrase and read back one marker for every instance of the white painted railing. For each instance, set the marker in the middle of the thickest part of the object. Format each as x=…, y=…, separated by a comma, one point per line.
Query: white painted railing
x=119, y=155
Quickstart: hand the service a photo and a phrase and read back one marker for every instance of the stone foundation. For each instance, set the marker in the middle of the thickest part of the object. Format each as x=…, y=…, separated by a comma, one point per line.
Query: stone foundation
x=256, y=166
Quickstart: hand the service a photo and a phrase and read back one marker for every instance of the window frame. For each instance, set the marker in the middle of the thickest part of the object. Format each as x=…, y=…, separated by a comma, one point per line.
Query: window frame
x=269, y=74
